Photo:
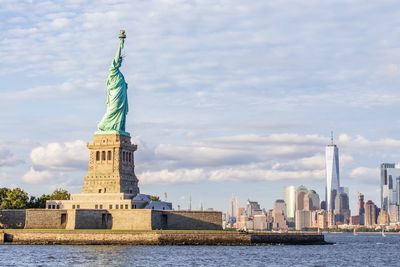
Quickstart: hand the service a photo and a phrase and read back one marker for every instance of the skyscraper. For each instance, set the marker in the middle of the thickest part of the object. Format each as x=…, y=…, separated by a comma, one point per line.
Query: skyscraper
x=233, y=207
x=370, y=213
x=233, y=211
x=290, y=200
x=361, y=209
x=332, y=175
x=342, y=210
x=279, y=215
x=311, y=201
x=390, y=183
x=300, y=193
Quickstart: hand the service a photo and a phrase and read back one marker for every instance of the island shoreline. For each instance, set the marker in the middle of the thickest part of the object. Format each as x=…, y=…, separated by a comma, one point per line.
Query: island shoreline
x=95, y=237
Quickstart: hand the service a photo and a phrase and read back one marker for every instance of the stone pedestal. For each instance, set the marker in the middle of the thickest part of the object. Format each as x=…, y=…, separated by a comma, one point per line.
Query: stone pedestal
x=110, y=182
x=111, y=165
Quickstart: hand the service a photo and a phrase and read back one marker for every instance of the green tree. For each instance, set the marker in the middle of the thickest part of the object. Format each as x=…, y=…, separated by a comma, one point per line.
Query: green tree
x=13, y=198
x=38, y=202
x=60, y=194
x=3, y=193
x=154, y=198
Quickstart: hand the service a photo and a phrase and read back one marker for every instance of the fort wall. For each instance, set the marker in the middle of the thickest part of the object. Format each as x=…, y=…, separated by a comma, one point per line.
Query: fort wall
x=193, y=220
x=139, y=219
x=45, y=219
x=134, y=219
x=14, y=219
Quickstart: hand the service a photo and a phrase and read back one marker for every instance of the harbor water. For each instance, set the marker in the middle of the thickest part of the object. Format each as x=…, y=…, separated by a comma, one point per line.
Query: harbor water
x=348, y=250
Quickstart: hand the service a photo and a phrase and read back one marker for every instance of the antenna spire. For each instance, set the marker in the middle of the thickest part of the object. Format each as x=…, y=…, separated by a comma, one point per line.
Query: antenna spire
x=332, y=138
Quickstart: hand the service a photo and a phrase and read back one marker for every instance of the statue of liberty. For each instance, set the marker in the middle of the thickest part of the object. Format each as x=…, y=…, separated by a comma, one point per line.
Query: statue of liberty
x=117, y=98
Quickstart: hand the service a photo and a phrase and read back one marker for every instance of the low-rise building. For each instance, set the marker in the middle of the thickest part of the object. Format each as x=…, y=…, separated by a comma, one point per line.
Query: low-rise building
x=370, y=213
x=355, y=220
x=303, y=219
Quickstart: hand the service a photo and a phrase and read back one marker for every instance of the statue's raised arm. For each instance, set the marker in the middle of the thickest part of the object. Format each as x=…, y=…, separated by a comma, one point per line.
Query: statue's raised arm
x=117, y=61
x=117, y=98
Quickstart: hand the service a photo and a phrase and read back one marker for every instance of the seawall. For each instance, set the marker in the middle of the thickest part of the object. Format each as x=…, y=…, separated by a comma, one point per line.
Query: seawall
x=109, y=237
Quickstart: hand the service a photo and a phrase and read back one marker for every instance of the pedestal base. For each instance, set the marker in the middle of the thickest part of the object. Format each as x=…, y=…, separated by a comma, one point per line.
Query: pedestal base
x=94, y=201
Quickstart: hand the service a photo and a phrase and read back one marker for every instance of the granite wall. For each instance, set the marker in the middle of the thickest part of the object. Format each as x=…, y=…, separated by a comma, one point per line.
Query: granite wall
x=136, y=219
x=46, y=219
x=192, y=220
x=92, y=219
x=14, y=219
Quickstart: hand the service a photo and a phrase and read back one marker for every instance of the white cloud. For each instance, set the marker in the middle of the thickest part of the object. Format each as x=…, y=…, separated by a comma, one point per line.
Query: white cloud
x=264, y=158
x=7, y=158
x=249, y=173
x=3, y=176
x=175, y=176
x=365, y=172
x=203, y=155
x=296, y=151
x=61, y=156
x=34, y=177
x=240, y=173
x=230, y=158
x=59, y=23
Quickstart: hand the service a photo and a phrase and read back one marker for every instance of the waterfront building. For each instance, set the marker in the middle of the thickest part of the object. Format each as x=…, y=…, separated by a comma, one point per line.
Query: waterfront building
x=383, y=218
x=323, y=205
x=319, y=219
x=331, y=218
x=370, y=213
x=355, y=220
x=290, y=200
x=241, y=212
x=307, y=203
x=342, y=210
x=332, y=175
x=270, y=219
x=260, y=222
x=252, y=208
x=314, y=219
x=241, y=218
x=394, y=213
x=311, y=201
x=322, y=219
x=361, y=210
x=232, y=213
x=390, y=185
x=301, y=191
x=279, y=215
x=303, y=219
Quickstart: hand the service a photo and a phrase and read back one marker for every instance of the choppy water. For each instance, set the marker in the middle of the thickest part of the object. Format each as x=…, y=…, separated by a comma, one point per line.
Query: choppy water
x=349, y=250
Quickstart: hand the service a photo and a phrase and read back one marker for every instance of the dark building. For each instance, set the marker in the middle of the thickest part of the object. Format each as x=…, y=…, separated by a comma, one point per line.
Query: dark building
x=370, y=213
x=342, y=210
x=361, y=209
x=323, y=205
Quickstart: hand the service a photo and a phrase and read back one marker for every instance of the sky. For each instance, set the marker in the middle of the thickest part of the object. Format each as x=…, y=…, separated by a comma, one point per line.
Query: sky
x=227, y=98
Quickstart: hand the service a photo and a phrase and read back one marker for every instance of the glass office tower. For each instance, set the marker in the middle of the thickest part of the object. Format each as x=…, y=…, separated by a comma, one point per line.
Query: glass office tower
x=332, y=175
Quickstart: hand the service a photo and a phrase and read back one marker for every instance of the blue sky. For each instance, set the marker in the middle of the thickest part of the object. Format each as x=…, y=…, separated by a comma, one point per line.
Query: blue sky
x=226, y=97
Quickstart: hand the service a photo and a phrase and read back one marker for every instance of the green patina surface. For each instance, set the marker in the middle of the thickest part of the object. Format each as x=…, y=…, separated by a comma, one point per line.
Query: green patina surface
x=117, y=98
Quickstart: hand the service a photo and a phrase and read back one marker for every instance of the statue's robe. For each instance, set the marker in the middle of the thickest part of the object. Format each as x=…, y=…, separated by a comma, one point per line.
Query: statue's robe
x=117, y=100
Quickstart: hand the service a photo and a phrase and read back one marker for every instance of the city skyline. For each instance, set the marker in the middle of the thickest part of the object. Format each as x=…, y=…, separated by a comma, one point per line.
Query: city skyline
x=226, y=98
